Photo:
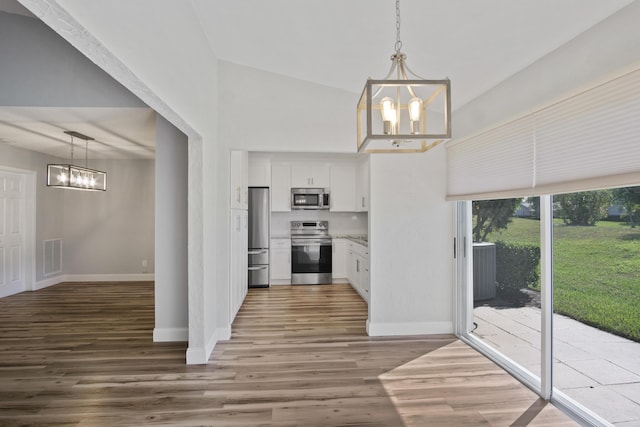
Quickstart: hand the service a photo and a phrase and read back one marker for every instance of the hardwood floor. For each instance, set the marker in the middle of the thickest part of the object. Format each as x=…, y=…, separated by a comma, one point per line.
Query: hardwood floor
x=82, y=354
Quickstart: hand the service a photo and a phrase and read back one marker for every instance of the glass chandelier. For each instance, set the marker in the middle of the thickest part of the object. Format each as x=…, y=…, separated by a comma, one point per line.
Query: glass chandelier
x=76, y=177
x=407, y=114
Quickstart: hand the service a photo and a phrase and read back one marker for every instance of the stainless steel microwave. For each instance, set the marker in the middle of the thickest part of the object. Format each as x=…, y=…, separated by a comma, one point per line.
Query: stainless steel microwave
x=309, y=198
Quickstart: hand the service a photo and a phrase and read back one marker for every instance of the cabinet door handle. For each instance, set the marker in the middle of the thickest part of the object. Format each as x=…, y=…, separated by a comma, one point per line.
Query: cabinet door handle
x=357, y=266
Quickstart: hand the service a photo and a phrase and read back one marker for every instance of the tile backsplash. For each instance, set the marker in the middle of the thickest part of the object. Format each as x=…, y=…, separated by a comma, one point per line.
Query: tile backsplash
x=340, y=223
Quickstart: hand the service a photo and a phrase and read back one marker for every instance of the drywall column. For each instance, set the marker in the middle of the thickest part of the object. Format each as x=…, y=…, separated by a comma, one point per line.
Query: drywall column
x=410, y=245
x=171, y=274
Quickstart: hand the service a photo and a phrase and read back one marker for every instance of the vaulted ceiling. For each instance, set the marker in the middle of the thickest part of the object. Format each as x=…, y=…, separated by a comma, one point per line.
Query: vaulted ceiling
x=337, y=43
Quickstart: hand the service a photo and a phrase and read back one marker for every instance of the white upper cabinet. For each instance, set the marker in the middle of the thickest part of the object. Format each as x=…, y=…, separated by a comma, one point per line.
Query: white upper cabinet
x=239, y=166
x=259, y=173
x=343, y=188
x=310, y=176
x=362, y=188
x=280, y=188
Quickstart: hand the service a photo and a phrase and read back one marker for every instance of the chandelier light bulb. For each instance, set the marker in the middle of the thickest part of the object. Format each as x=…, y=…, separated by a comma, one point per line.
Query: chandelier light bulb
x=62, y=177
x=388, y=111
x=415, y=113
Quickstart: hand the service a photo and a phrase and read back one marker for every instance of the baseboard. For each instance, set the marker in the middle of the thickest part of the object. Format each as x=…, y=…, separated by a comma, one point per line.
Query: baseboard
x=377, y=329
x=210, y=345
x=48, y=282
x=279, y=282
x=199, y=355
x=170, y=334
x=196, y=356
x=224, y=333
x=341, y=281
x=135, y=277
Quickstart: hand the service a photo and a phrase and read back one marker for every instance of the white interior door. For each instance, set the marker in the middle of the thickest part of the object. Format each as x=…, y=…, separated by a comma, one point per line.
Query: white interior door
x=12, y=233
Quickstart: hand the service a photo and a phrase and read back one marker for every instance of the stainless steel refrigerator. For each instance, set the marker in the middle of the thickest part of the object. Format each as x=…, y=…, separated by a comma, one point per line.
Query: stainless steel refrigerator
x=259, y=213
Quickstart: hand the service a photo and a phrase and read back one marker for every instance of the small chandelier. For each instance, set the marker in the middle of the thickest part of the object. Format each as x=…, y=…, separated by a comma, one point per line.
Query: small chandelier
x=76, y=177
x=392, y=113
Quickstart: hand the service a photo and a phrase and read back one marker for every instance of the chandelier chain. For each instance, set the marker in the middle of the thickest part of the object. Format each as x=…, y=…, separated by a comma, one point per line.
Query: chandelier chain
x=71, y=149
x=398, y=41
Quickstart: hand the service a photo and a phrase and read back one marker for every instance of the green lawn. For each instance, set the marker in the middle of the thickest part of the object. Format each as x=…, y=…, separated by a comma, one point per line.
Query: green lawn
x=596, y=272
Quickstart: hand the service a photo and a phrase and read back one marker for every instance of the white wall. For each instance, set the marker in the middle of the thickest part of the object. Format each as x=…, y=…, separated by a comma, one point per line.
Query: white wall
x=410, y=245
x=270, y=112
x=222, y=257
x=600, y=53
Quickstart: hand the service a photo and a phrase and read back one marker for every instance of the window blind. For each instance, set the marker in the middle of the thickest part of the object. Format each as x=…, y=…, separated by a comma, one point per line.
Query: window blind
x=587, y=141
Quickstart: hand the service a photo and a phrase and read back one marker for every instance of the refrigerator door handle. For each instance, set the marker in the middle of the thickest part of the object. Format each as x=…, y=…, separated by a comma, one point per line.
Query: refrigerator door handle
x=258, y=252
x=258, y=267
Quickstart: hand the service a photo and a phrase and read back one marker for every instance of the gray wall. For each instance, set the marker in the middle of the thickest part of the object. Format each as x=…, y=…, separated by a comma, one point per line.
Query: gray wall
x=111, y=232
x=103, y=233
x=171, y=285
x=40, y=69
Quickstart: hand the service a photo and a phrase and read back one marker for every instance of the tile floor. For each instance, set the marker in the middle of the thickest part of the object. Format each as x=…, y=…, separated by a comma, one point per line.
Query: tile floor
x=599, y=370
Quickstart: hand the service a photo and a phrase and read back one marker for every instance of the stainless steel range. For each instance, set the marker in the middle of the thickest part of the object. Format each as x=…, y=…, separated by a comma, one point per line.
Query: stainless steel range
x=310, y=253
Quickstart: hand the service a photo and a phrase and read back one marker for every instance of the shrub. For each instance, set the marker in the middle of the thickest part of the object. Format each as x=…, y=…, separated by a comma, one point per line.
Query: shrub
x=516, y=267
x=584, y=208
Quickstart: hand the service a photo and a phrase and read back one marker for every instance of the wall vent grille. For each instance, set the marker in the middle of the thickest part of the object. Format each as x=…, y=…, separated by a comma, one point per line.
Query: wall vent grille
x=52, y=257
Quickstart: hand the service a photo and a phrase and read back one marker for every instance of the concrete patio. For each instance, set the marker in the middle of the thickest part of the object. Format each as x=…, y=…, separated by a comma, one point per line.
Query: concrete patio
x=597, y=369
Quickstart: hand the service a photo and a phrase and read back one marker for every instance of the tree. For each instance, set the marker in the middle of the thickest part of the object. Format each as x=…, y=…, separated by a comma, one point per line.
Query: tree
x=584, y=208
x=629, y=198
x=492, y=215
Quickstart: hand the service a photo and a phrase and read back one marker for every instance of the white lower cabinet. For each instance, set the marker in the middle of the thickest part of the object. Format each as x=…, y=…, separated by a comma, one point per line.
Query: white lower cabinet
x=339, y=260
x=358, y=269
x=239, y=260
x=280, y=267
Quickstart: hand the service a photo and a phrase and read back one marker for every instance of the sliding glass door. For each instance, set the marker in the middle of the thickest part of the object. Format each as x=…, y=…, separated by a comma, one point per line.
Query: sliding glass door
x=563, y=313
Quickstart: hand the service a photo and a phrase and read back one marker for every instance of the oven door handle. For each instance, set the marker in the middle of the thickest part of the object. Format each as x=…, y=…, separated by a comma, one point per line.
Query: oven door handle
x=310, y=242
x=259, y=267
